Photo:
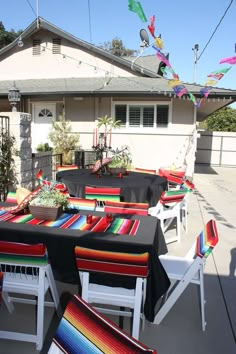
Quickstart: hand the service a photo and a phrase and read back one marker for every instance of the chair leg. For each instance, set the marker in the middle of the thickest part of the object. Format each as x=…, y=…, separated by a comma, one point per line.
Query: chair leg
x=7, y=300
x=137, y=308
x=53, y=289
x=202, y=298
x=40, y=310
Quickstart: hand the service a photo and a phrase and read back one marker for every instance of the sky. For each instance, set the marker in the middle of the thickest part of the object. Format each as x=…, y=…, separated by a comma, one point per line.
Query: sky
x=182, y=24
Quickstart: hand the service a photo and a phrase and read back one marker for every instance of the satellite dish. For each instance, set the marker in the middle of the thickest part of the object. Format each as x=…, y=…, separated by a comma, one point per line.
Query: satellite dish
x=144, y=37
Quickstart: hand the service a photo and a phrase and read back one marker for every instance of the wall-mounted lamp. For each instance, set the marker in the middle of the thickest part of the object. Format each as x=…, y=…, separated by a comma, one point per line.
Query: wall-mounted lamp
x=14, y=97
x=20, y=43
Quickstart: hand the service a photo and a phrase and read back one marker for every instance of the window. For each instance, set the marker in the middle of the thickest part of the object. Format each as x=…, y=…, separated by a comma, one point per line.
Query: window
x=145, y=115
x=36, y=46
x=56, y=46
x=45, y=113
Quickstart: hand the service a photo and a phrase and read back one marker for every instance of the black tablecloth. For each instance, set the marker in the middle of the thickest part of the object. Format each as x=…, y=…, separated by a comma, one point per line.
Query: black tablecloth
x=61, y=243
x=135, y=187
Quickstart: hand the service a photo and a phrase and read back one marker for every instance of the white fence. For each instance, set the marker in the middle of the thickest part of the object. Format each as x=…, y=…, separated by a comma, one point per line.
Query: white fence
x=216, y=149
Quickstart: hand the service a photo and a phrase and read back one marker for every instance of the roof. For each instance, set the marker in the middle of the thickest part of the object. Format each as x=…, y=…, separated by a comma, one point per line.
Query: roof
x=105, y=86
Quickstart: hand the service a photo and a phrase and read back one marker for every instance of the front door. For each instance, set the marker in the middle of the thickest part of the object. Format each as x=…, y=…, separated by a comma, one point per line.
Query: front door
x=43, y=115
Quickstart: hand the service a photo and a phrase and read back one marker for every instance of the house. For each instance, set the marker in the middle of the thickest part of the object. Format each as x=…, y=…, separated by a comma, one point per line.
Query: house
x=57, y=72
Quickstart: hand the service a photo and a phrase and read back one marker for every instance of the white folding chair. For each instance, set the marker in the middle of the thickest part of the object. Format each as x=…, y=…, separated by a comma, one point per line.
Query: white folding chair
x=169, y=208
x=188, y=269
x=27, y=272
x=115, y=263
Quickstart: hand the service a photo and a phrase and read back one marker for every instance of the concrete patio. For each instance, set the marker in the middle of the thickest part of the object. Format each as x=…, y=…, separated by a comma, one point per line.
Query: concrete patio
x=180, y=331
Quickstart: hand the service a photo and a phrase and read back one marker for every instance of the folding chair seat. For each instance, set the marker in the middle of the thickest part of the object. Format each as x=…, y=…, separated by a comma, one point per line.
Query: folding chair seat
x=126, y=208
x=123, y=264
x=169, y=208
x=81, y=203
x=83, y=330
x=144, y=170
x=188, y=269
x=102, y=194
x=27, y=272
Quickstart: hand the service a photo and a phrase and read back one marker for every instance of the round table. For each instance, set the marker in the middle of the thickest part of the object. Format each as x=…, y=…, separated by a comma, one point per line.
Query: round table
x=135, y=187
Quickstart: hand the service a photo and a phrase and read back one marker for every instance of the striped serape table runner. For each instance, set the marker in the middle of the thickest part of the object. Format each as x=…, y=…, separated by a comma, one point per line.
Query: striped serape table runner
x=77, y=222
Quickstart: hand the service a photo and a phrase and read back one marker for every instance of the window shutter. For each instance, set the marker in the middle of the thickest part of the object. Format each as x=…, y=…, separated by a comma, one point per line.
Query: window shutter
x=36, y=47
x=56, y=46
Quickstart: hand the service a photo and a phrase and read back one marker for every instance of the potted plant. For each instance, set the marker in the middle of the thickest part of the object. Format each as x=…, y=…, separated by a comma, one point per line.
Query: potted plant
x=63, y=140
x=48, y=204
x=121, y=160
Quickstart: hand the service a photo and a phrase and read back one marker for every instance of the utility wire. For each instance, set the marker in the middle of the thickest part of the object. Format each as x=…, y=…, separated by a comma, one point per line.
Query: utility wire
x=31, y=8
x=215, y=30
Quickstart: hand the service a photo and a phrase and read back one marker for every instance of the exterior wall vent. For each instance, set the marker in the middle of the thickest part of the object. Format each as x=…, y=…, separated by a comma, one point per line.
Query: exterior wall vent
x=56, y=46
x=36, y=47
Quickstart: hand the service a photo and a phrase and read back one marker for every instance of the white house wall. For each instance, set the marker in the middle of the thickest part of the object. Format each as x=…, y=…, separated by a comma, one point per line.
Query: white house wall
x=20, y=63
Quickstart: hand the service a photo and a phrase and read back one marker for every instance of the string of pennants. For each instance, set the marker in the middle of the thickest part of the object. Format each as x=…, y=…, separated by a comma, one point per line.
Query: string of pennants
x=173, y=78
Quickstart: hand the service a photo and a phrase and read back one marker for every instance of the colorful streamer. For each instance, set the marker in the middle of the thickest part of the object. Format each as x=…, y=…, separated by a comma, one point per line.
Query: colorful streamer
x=231, y=60
x=135, y=6
x=151, y=27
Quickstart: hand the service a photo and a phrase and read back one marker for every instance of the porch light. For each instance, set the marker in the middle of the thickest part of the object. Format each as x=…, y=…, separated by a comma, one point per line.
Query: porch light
x=14, y=97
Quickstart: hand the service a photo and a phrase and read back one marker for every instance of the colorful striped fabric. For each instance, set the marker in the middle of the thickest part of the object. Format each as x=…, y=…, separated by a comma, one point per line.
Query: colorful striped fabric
x=1, y=285
x=23, y=254
x=174, y=196
x=187, y=184
x=207, y=239
x=102, y=193
x=84, y=330
x=66, y=167
x=118, y=226
x=144, y=170
x=81, y=203
x=164, y=172
x=126, y=208
x=11, y=197
x=130, y=264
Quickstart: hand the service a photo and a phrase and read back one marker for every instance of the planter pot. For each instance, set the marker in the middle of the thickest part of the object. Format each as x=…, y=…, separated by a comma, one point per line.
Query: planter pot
x=45, y=212
x=117, y=170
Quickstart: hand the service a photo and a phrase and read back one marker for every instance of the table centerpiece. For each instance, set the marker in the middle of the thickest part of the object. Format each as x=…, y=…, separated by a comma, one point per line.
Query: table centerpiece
x=48, y=204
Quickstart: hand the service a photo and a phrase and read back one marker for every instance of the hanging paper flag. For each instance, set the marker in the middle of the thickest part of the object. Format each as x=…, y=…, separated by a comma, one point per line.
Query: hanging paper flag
x=159, y=42
x=205, y=91
x=231, y=60
x=210, y=83
x=135, y=6
x=161, y=56
x=151, y=27
x=218, y=74
x=180, y=90
x=173, y=83
x=192, y=98
x=166, y=69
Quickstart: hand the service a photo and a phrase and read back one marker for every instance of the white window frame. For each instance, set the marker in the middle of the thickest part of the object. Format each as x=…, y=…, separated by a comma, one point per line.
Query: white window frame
x=141, y=104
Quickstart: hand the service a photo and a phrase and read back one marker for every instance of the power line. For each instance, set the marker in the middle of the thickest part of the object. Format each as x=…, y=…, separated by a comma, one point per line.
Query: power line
x=31, y=8
x=215, y=30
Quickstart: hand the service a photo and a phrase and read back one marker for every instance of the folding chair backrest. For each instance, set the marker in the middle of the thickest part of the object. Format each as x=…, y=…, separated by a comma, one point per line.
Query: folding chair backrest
x=102, y=193
x=60, y=168
x=83, y=329
x=174, y=196
x=144, y=170
x=11, y=197
x=207, y=240
x=23, y=254
x=126, y=208
x=130, y=264
x=81, y=203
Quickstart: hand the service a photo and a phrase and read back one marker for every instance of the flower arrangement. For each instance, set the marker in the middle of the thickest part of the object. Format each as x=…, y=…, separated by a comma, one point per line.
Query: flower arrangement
x=50, y=196
x=121, y=158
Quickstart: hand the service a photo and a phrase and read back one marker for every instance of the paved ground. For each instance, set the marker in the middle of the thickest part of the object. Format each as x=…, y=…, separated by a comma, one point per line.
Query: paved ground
x=180, y=332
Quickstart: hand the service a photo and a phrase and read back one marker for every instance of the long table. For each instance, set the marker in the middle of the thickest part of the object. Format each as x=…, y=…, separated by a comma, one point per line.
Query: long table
x=135, y=187
x=61, y=242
